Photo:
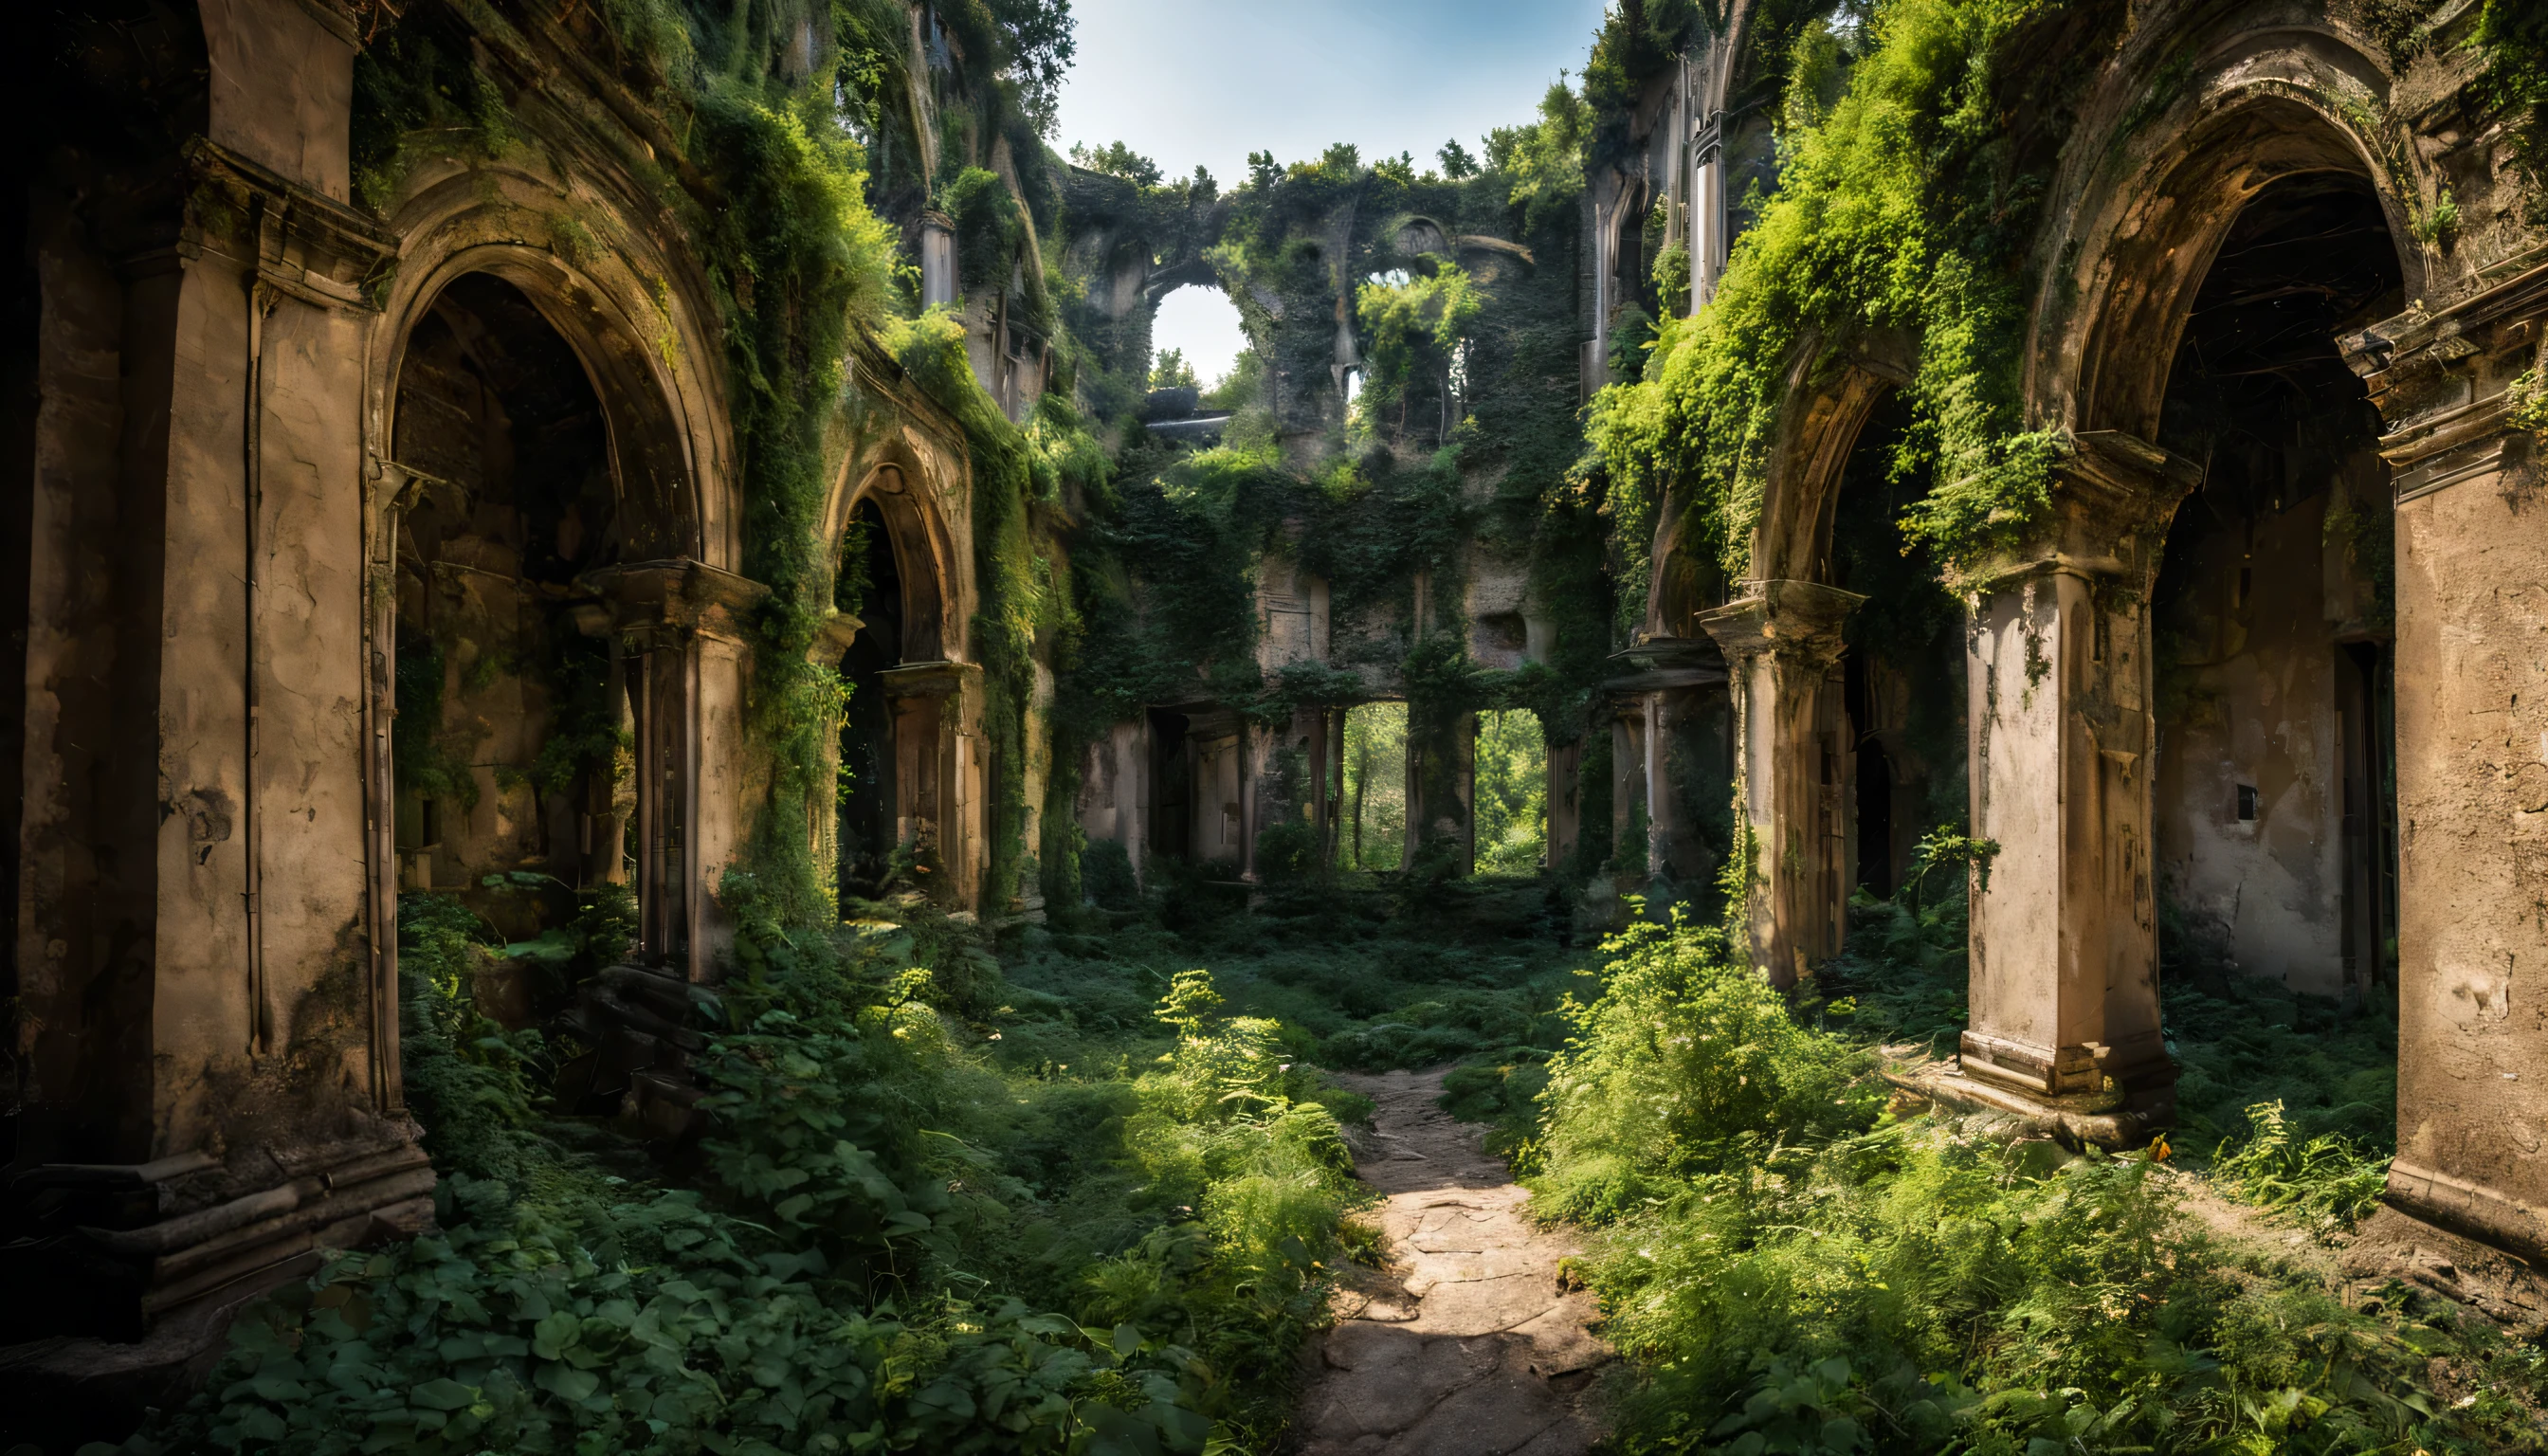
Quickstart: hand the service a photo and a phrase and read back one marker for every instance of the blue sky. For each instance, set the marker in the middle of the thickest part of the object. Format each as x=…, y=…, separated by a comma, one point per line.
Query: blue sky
x=1206, y=82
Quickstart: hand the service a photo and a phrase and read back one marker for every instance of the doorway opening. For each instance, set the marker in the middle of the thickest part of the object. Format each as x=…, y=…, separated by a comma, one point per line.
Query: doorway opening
x=1511, y=794
x=1902, y=672
x=868, y=586
x=1374, y=833
x=517, y=791
x=2272, y=619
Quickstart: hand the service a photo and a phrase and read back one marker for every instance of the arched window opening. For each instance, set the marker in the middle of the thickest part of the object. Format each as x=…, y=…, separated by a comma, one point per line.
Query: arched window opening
x=516, y=788
x=2275, y=825
x=868, y=586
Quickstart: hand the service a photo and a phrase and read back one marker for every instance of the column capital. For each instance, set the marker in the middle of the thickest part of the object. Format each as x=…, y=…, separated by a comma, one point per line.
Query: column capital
x=303, y=245
x=668, y=600
x=833, y=637
x=1794, y=622
x=2113, y=495
x=1659, y=661
x=2441, y=377
x=960, y=683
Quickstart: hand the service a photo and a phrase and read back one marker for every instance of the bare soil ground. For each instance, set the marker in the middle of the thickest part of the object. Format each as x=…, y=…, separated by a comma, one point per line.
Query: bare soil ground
x=1466, y=1341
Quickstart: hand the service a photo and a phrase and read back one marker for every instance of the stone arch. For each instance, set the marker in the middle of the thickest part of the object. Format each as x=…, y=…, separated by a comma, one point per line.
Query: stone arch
x=662, y=605
x=919, y=730
x=1828, y=398
x=634, y=315
x=653, y=464
x=1804, y=706
x=900, y=487
x=2156, y=202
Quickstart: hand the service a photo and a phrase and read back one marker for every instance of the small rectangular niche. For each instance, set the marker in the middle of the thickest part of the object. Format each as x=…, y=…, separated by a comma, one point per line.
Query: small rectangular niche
x=2246, y=804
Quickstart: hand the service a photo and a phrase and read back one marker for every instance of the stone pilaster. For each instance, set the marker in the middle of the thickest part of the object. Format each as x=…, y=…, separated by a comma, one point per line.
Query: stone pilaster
x=2472, y=754
x=2065, y=1012
x=1676, y=698
x=679, y=629
x=1782, y=649
x=941, y=780
x=1442, y=789
x=207, y=1001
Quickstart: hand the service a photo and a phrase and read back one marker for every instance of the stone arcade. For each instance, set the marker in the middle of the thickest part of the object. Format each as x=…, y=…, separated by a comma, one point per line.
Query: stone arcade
x=322, y=517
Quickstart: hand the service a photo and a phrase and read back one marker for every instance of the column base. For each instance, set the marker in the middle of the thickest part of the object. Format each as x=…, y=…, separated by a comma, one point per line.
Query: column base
x=2467, y=1208
x=2111, y=1120
x=130, y=1273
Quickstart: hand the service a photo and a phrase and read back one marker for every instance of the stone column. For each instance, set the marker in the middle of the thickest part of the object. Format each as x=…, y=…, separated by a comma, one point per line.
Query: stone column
x=679, y=628
x=1442, y=788
x=2066, y=1014
x=1565, y=801
x=1624, y=874
x=2472, y=759
x=1115, y=790
x=1679, y=685
x=1783, y=651
x=939, y=777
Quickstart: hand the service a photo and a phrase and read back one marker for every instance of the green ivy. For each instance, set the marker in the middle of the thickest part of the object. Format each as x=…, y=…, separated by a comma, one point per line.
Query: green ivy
x=1904, y=207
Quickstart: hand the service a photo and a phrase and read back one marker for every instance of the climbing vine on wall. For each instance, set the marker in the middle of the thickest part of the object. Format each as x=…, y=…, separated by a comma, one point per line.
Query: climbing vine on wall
x=1905, y=206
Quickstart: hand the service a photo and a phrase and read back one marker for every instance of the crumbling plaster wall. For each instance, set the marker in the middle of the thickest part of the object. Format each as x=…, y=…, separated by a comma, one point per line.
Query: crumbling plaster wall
x=2256, y=709
x=2472, y=754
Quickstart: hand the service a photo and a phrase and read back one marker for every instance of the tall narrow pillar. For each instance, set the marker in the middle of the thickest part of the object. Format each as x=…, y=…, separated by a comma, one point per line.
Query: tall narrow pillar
x=679, y=628
x=1441, y=785
x=2472, y=757
x=205, y=1010
x=1783, y=650
x=1565, y=801
x=2065, y=1013
x=938, y=778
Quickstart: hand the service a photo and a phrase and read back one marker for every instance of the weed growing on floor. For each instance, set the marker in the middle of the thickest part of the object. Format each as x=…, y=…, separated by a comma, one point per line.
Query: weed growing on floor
x=889, y=1240
x=1790, y=1269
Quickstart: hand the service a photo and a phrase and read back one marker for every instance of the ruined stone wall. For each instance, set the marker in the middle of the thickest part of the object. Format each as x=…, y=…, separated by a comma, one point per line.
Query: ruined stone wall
x=370, y=544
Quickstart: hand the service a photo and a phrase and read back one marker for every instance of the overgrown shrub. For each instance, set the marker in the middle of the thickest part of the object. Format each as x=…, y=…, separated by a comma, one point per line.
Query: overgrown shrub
x=1688, y=1063
x=1788, y=1272
x=883, y=1215
x=2327, y=1182
x=470, y=1084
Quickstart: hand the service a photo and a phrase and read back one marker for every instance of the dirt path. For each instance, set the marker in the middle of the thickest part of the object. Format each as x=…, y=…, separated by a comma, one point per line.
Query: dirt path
x=1465, y=1345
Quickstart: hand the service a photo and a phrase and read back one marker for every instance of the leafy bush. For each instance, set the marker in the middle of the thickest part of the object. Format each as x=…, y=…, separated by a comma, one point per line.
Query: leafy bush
x=469, y=1082
x=1688, y=1063
x=886, y=1222
x=1788, y=1272
x=621, y=1320
x=1912, y=1291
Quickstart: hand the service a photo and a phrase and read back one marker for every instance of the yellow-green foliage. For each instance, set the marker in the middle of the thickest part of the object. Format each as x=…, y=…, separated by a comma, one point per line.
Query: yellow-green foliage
x=883, y=1216
x=1512, y=797
x=2327, y=1182
x=1892, y=212
x=1423, y=319
x=1688, y=1064
x=2513, y=37
x=1541, y=162
x=1788, y=1271
x=2527, y=397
